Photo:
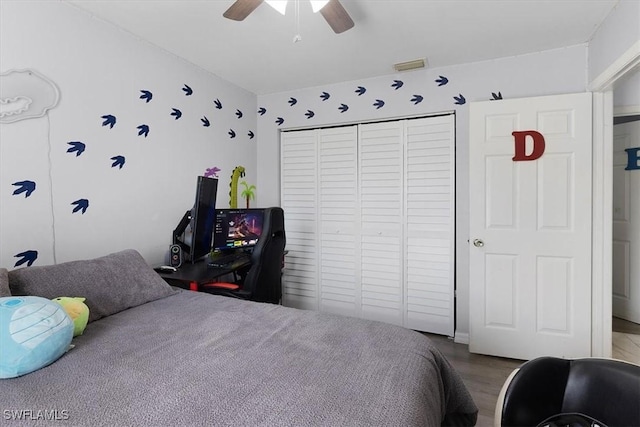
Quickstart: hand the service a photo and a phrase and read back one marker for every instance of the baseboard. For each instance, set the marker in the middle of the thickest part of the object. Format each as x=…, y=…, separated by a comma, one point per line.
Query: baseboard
x=461, y=338
x=626, y=110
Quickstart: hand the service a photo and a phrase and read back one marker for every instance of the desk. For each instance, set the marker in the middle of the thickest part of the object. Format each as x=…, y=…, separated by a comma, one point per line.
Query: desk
x=191, y=276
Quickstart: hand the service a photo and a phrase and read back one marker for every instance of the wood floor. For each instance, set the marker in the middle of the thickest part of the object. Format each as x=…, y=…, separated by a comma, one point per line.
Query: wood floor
x=626, y=341
x=624, y=326
x=483, y=375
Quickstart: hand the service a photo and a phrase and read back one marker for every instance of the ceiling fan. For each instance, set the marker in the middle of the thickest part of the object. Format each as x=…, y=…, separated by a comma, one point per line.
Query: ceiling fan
x=333, y=12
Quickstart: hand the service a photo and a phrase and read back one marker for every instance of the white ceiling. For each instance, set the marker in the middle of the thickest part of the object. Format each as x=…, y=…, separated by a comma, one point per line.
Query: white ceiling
x=259, y=54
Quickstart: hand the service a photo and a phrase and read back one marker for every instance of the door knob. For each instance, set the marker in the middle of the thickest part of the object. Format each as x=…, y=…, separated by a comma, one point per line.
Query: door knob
x=478, y=243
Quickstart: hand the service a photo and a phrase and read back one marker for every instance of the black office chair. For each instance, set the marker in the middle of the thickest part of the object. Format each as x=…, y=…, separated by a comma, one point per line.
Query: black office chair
x=263, y=280
x=549, y=391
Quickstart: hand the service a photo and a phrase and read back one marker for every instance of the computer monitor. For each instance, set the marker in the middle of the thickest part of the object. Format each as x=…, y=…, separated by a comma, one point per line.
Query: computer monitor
x=201, y=219
x=237, y=228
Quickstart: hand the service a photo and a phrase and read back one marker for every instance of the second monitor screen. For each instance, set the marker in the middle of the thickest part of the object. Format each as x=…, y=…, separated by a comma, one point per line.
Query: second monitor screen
x=237, y=228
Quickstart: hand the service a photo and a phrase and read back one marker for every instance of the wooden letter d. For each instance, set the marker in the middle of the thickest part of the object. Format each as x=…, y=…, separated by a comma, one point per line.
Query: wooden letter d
x=520, y=138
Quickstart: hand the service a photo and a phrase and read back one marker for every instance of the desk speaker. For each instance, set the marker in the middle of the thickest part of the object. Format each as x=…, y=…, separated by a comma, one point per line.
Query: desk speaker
x=175, y=253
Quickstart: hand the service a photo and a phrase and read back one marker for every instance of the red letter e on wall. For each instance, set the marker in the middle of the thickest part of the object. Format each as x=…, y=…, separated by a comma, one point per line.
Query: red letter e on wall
x=520, y=138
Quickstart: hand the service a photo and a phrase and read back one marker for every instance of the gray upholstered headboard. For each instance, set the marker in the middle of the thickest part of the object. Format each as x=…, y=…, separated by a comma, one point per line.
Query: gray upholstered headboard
x=110, y=284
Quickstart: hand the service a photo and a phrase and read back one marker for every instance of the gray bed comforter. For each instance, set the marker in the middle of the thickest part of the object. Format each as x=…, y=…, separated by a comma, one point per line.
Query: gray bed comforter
x=194, y=359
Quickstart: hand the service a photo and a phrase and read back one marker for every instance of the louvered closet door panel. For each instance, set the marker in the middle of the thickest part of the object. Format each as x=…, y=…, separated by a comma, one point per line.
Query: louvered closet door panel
x=337, y=183
x=299, y=201
x=430, y=222
x=381, y=198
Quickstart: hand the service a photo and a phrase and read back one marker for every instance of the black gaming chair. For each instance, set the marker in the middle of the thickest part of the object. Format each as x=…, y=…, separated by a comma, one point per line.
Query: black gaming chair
x=549, y=391
x=263, y=280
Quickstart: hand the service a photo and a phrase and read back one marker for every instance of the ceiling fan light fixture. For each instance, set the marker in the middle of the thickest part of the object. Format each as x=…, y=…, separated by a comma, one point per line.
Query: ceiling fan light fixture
x=332, y=11
x=410, y=65
x=316, y=5
x=279, y=5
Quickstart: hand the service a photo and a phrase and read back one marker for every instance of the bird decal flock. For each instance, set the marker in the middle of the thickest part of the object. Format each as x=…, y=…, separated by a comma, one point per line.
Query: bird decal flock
x=396, y=91
x=378, y=103
x=81, y=205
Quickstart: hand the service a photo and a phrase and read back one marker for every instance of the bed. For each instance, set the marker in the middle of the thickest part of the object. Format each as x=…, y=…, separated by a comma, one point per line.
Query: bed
x=153, y=355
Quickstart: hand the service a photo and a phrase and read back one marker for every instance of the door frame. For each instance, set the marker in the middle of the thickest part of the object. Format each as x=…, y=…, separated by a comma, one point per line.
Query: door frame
x=602, y=211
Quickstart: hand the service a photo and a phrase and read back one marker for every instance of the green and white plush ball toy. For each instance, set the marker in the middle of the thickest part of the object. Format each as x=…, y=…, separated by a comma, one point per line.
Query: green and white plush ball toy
x=77, y=310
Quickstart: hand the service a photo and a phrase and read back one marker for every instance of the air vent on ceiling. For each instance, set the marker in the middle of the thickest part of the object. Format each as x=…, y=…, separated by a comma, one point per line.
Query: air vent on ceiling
x=410, y=65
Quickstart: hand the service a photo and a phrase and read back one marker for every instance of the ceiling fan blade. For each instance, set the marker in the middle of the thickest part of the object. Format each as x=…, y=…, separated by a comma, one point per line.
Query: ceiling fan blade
x=241, y=9
x=336, y=16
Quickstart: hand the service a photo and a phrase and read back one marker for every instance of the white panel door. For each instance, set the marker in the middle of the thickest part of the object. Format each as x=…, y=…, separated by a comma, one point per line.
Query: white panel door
x=530, y=248
x=339, y=226
x=626, y=222
x=299, y=201
x=429, y=233
x=381, y=199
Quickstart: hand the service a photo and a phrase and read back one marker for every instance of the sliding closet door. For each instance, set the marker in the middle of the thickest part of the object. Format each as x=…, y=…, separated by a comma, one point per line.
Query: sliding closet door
x=299, y=200
x=381, y=215
x=429, y=234
x=370, y=221
x=338, y=216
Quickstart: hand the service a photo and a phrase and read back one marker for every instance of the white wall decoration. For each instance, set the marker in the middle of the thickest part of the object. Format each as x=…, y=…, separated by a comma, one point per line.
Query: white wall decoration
x=26, y=94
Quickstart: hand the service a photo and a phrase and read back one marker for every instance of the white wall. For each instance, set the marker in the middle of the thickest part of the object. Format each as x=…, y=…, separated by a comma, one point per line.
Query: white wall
x=627, y=92
x=545, y=73
x=617, y=35
x=101, y=70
